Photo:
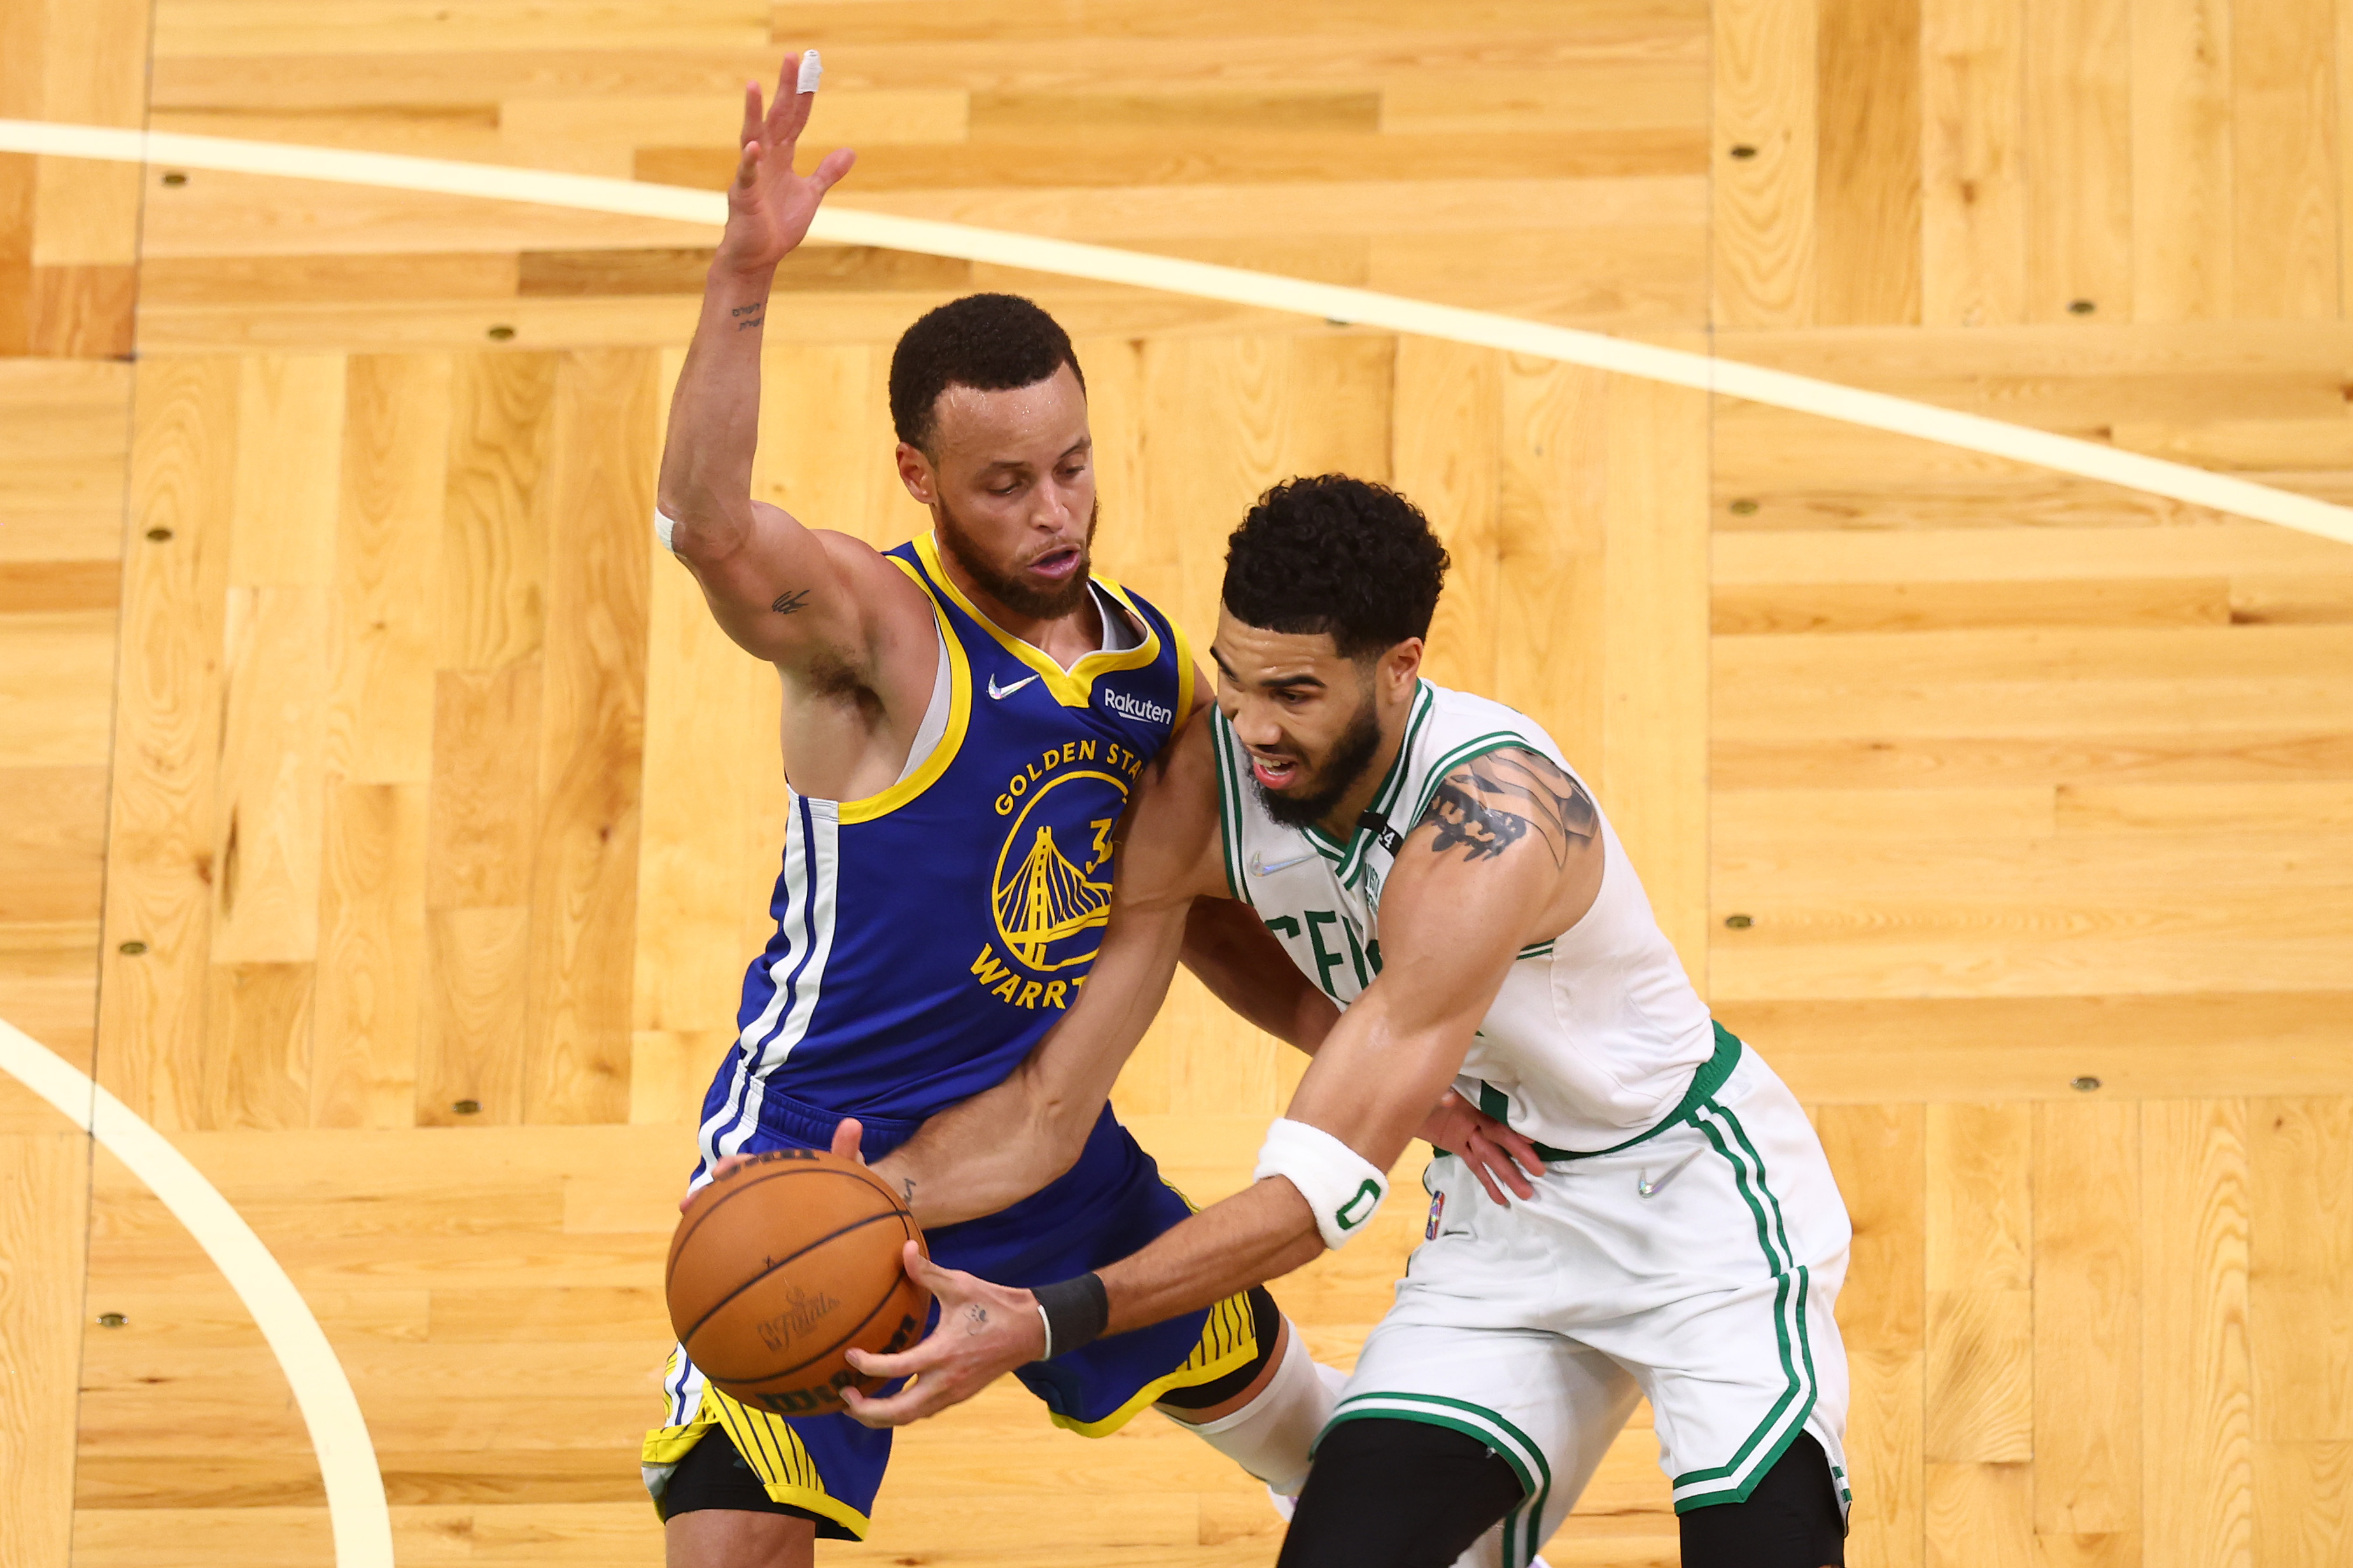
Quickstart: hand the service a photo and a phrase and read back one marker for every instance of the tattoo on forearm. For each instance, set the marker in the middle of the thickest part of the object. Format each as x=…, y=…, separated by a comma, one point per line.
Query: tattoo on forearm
x=750, y=315
x=1495, y=801
x=790, y=600
x=907, y=1188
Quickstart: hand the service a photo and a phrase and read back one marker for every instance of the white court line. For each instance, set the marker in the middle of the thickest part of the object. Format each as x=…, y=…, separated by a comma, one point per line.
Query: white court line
x=355, y=1500
x=848, y=225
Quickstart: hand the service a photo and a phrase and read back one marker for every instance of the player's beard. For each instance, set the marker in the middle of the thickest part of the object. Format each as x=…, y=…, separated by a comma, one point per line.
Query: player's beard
x=1015, y=592
x=1331, y=778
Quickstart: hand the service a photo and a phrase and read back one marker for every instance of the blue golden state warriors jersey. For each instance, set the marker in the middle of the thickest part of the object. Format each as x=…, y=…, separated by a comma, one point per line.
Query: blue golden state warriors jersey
x=928, y=936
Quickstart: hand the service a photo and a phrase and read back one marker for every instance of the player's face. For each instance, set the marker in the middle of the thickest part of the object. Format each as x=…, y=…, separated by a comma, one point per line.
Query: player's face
x=1012, y=486
x=1313, y=721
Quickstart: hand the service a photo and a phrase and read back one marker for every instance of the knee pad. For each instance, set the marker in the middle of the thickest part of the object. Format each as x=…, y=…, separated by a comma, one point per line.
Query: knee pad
x=1792, y=1518
x=1271, y=1436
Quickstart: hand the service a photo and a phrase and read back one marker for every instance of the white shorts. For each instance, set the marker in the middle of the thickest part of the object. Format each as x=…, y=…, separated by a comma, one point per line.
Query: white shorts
x=1698, y=1267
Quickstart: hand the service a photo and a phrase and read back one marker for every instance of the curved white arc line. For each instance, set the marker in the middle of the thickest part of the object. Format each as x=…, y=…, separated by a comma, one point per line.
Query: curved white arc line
x=1599, y=350
x=356, y=1507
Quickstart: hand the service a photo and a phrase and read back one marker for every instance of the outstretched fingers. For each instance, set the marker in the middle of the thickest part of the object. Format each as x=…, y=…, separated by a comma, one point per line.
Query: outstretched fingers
x=837, y=163
x=753, y=115
x=790, y=110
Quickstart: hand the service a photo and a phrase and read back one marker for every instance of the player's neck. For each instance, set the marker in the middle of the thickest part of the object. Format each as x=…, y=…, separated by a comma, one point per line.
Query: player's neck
x=1340, y=821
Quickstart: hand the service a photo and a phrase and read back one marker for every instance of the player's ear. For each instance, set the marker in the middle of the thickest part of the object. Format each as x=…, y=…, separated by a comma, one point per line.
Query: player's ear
x=1400, y=668
x=916, y=473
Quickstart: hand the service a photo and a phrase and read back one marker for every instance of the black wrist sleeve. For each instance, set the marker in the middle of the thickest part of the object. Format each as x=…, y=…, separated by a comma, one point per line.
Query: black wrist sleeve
x=1075, y=1311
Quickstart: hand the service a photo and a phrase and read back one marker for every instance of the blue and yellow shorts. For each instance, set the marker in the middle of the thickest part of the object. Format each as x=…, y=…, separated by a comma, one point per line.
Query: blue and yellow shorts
x=1109, y=1204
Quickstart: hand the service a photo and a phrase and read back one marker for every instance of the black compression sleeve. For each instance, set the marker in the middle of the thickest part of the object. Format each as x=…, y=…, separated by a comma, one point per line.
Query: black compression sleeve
x=1791, y=1520
x=1396, y=1494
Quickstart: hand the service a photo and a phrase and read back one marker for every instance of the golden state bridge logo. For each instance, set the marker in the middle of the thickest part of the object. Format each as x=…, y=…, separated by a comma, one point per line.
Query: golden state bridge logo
x=1051, y=892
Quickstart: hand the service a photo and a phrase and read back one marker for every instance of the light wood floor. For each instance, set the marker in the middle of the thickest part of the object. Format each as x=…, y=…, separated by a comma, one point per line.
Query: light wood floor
x=360, y=755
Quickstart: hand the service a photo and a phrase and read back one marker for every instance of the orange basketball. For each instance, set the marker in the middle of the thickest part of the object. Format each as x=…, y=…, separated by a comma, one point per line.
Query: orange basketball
x=785, y=1265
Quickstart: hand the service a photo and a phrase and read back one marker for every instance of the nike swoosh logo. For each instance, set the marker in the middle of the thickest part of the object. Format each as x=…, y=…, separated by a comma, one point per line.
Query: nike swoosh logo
x=1004, y=691
x=1258, y=867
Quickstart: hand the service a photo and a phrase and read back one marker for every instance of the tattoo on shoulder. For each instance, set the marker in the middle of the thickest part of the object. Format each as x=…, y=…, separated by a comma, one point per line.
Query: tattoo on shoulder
x=791, y=599
x=1493, y=802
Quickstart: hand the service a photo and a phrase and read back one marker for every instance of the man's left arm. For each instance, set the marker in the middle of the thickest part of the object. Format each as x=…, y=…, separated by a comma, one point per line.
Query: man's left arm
x=1492, y=863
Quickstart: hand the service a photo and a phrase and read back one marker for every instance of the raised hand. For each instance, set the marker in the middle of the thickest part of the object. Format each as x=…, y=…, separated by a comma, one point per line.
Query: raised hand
x=769, y=206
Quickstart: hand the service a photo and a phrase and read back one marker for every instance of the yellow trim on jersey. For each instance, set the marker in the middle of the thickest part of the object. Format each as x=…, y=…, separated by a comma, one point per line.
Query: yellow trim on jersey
x=1184, y=670
x=769, y=1446
x=1228, y=1342
x=1073, y=688
x=951, y=738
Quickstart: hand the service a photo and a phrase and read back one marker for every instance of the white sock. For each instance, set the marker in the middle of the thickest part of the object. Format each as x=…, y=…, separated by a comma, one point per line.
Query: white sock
x=1269, y=1437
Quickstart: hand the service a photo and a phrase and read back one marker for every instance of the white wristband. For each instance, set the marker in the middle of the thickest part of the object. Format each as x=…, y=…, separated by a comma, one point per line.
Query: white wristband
x=1342, y=1186
x=665, y=529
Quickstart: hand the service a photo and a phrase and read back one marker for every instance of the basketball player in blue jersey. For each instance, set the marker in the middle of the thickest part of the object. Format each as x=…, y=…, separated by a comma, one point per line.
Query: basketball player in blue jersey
x=965, y=717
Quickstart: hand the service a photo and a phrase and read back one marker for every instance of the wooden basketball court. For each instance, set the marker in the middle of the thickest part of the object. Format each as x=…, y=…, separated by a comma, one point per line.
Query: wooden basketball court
x=382, y=818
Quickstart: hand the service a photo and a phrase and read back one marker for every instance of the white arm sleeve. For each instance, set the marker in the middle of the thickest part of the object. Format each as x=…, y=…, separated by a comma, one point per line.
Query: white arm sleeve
x=1342, y=1186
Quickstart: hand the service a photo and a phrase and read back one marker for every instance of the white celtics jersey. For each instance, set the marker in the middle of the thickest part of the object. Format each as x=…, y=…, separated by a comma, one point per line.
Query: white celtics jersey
x=1596, y=1034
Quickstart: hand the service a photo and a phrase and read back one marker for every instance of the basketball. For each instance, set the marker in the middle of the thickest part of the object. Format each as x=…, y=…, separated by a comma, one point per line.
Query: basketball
x=781, y=1268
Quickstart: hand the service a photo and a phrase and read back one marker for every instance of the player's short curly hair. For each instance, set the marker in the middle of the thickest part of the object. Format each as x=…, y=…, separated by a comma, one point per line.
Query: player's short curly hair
x=1338, y=556
x=987, y=341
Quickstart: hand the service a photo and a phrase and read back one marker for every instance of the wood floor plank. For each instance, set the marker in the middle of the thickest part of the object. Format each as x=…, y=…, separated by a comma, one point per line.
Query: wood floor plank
x=395, y=443
x=1653, y=777
x=592, y=740
x=2088, y=1344
x=43, y=1198
x=2182, y=255
x=2078, y=114
x=2284, y=199
x=1553, y=538
x=2300, y=1266
x=1764, y=198
x=494, y=538
x=162, y=846
x=367, y=1014
x=1980, y=1306
x=1860, y=1050
x=1974, y=184
x=1868, y=170
x=1879, y=1155
x=2196, y=1409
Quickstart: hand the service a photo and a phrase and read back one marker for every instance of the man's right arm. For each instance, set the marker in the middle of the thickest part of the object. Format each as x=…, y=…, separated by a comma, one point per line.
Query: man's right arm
x=783, y=592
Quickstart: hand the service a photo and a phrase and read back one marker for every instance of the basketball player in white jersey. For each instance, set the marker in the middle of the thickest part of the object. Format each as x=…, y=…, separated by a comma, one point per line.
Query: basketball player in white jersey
x=864, y=1005
x=1431, y=861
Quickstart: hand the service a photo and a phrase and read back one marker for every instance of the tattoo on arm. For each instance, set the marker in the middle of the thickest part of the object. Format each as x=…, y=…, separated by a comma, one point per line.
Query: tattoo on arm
x=976, y=1319
x=749, y=315
x=1490, y=805
x=791, y=599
